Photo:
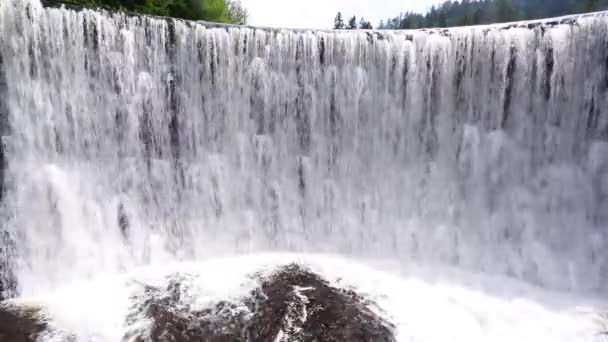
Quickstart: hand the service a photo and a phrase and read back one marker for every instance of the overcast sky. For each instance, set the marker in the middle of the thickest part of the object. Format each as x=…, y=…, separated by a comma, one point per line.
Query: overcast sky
x=321, y=13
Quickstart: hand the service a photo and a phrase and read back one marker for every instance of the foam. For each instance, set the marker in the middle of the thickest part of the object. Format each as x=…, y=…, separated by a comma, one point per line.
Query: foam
x=421, y=309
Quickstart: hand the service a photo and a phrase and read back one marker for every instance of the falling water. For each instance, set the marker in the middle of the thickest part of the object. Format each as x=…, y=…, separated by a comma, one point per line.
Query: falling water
x=133, y=140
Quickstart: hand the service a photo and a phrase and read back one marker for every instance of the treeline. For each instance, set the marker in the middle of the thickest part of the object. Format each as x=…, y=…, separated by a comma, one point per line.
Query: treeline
x=352, y=24
x=220, y=11
x=478, y=12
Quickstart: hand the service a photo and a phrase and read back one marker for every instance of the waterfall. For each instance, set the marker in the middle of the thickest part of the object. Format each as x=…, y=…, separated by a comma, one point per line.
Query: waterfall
x=135, y=140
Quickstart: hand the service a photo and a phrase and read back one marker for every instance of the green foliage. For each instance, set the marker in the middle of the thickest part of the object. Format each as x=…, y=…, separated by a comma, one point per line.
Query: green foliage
x=476, y=12
x=220, y=11
x=215, y=9
x=237, y=14
x=504, y=11
x=155, y=7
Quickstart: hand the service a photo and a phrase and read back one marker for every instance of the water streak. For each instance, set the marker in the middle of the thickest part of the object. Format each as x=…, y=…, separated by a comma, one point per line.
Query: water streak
x=137, y=140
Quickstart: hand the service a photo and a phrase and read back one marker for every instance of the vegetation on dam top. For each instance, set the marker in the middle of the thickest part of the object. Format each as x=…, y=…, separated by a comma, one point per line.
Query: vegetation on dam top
x=475, y=12
x=448, y=14
x=219, y=11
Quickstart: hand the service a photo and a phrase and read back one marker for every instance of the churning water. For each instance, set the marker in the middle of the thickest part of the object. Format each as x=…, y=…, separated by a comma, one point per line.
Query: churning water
x=131, y=141
x=422, y=311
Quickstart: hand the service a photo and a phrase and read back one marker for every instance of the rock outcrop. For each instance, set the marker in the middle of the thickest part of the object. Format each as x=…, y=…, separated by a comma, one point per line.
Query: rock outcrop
x=291, y=304
x=295, y=304
x=20, y=324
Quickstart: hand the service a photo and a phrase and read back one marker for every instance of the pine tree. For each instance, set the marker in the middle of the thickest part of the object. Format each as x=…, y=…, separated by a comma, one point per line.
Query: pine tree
x=504, y=11
x=338, y=22
x=352, y=23
x=478, y=17
x=365, y=25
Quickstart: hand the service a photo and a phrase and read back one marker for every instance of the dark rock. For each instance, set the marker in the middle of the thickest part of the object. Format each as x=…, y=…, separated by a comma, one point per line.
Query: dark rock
x=20, y=324
x=174, y=321
x=302, y=306
x=123, y=221
x=292, y=304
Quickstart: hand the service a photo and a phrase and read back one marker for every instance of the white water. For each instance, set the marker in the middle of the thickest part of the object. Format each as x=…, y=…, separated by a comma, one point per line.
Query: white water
x=421, y=310
x=139, y=141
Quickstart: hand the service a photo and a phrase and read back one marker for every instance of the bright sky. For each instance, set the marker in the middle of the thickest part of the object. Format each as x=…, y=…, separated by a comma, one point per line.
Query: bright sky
x=321, y=13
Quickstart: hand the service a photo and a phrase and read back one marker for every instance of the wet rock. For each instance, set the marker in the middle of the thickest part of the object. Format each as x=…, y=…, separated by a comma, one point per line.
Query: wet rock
x=20, y=324
x=123, y=221
x=299, y=305
x=172, y=320
x=291, y=304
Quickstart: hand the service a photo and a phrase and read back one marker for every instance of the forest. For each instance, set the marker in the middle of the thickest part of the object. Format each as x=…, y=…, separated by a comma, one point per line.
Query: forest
x=220, y=11
x=477, y=12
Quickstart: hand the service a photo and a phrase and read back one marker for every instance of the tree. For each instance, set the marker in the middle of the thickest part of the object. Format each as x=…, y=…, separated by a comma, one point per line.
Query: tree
x=191, y=10
x=478, y=16
x=154, y=7
x=352, y=23
x=223, y=11
x=443, y=19
x=504, y=11
x=593, y=5
x=215, y=10
x=338, y=22
x=237, y=13
x=365, y=25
